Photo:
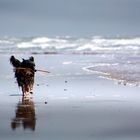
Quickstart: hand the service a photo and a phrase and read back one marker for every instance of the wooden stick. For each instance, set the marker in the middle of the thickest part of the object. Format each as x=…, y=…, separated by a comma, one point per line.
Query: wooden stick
x=42, y=71
x=35, y=70
x=21, y=68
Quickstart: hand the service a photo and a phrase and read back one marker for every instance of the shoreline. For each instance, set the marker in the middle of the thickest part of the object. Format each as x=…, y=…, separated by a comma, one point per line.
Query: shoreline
x=109, y=76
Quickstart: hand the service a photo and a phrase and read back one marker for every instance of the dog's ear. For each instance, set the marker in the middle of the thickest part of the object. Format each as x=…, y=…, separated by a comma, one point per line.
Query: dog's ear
x=31, y=58
x=15, y=62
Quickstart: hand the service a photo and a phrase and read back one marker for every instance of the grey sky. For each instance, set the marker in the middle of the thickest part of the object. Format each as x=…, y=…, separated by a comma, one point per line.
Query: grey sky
x=69, y=17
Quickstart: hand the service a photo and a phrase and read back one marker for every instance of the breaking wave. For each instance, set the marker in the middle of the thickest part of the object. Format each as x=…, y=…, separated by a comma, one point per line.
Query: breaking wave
x=69, y=45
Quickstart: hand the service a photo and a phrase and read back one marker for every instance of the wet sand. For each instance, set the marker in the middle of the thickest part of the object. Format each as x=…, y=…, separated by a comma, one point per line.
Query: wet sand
x=69, y=103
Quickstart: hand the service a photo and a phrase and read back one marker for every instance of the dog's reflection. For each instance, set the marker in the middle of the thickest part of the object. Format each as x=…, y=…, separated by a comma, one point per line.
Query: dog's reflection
x=24, y=115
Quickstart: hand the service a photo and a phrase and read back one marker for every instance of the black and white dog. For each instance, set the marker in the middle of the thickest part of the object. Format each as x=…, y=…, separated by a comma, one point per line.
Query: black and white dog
x=24, y=73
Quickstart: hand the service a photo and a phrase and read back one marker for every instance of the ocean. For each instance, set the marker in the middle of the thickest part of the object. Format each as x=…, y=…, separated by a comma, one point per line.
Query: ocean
x=115, y=58
x=89, y=45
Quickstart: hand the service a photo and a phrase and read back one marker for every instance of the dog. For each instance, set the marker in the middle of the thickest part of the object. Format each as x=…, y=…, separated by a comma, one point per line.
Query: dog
x=24, y=73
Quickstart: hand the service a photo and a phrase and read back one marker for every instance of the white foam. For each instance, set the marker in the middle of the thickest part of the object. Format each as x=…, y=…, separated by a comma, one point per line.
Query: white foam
x=6, y=42
x=25, y=45
x=67, y=62
x=69, y=44
x=41, y=40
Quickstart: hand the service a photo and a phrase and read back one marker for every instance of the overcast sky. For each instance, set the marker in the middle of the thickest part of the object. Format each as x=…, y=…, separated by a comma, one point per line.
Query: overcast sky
x=69, y=17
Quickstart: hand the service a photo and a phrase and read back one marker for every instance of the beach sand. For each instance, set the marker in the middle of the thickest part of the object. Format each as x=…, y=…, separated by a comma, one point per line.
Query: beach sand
x=68, y=104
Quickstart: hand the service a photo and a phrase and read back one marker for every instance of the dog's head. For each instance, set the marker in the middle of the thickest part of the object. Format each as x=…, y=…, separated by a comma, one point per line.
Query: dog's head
x=26, y=63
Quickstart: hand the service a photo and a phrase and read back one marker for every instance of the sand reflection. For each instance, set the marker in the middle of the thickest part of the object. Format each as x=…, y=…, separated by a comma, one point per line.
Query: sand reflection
x=24, y=115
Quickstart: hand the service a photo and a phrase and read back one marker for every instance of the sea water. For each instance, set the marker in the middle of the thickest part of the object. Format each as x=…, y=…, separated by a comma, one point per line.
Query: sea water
x=116, y=58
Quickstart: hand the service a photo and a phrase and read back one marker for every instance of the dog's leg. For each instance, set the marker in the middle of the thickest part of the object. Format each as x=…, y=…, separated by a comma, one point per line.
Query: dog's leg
x=31, y=88
x=24, y=92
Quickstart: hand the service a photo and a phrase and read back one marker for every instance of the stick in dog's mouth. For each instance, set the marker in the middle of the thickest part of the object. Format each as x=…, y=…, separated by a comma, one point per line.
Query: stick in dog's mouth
x=45, y=71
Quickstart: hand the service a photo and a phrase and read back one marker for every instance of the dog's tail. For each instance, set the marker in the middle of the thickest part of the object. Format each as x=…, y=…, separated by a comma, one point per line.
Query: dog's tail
x=15, y=62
